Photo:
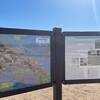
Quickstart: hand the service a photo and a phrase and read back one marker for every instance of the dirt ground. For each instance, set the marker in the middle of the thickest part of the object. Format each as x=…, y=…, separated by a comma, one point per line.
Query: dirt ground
x=70, y=92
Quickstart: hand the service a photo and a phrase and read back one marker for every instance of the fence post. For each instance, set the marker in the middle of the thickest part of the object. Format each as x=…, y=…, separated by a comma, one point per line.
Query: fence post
x=57, y=70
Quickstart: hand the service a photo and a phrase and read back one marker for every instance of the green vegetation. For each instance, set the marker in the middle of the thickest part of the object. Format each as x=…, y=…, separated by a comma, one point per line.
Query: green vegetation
x=44, y=78
x=23, y=70
x=0, y=66
x=6, y=86
x=18, y=37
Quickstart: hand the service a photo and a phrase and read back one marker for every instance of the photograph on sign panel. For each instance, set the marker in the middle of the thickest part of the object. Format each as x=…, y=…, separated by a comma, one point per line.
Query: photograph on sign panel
x=24, y=61
x=82, y=57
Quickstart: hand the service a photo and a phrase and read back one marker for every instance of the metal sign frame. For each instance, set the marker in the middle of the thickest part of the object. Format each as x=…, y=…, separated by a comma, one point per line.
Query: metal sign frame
x=78, y=81
x=30, y=32
x=57, y=48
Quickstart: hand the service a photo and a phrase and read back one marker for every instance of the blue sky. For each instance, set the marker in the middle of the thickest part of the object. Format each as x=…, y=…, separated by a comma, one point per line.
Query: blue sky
x=71, y=15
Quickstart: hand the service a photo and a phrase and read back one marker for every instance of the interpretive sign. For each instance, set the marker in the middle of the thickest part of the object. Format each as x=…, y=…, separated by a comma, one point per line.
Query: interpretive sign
x=34, y=59
x=82, y=57
x=25, y=60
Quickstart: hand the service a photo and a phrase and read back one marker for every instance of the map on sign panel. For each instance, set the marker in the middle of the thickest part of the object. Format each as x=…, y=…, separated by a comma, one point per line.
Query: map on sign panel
x=24, y=61
x=82, y=57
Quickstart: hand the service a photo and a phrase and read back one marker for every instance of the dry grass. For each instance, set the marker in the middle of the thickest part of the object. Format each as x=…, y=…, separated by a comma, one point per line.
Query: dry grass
x=70, y=92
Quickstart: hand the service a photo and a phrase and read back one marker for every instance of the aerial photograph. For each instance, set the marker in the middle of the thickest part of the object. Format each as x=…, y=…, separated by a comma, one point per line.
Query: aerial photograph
x=24, y=61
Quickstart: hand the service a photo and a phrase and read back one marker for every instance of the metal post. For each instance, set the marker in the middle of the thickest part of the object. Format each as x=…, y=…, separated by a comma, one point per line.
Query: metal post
x=57, y=89
x=57, y=74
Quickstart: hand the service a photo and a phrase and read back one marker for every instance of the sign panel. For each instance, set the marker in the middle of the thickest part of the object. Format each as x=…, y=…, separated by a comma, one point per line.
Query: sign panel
x=82, y=57
x=24, y=61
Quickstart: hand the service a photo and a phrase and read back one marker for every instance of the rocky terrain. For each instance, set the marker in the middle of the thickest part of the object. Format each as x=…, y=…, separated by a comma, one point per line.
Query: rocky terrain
x=20, y=66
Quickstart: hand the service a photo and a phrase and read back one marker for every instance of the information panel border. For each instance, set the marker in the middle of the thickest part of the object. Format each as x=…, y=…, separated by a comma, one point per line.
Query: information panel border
x=78, y=81
x=15, y=31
